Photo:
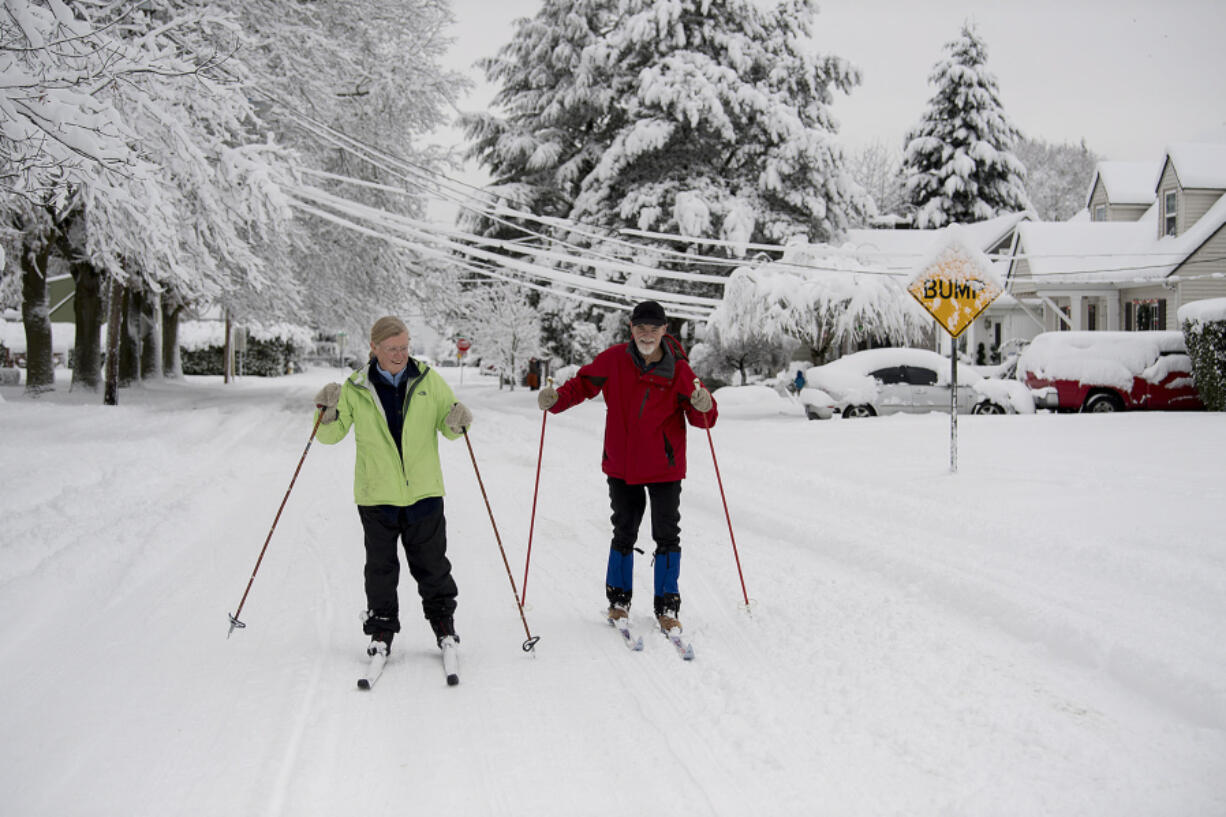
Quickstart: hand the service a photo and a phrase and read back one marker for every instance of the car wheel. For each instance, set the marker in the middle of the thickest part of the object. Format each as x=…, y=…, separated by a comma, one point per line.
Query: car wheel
x=858, y=411
x=1102, y=403
x=987, y=407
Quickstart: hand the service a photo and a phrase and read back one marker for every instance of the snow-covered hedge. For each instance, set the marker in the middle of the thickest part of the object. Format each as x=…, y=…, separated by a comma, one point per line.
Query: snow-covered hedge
x=1204, y=332
x=272, y=350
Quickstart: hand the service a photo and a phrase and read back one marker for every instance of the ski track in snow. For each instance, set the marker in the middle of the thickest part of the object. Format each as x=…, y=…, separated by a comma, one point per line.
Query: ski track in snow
x=999, y=641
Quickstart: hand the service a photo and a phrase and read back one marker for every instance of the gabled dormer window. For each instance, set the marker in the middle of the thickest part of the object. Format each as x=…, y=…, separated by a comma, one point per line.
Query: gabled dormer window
x=1170, y=207
x=1100, y=212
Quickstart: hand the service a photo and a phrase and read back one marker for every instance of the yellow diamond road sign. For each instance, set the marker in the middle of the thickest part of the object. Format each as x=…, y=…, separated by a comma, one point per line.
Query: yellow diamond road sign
x=955, y=284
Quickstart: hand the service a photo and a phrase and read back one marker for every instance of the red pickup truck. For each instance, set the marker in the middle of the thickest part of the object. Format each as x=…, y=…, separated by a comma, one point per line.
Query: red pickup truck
x=1109, y=371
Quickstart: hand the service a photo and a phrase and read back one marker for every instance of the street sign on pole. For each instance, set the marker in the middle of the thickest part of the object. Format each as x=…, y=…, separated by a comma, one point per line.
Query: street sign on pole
x=955, y=284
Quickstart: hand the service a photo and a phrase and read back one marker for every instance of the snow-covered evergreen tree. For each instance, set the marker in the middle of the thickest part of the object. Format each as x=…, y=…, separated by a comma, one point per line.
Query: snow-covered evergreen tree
x=701, y=117
x=958, y=163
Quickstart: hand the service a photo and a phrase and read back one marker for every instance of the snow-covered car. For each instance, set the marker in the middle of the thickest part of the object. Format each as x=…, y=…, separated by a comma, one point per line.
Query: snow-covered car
x=1109, y=371
x=818, y=404
x=890, y=381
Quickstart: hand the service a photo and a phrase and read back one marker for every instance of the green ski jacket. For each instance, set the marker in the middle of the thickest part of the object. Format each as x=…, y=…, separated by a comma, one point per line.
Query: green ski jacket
x=381, y=475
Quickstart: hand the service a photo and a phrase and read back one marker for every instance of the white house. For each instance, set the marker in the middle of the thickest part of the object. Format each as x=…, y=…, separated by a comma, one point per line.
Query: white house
x=1115, y=273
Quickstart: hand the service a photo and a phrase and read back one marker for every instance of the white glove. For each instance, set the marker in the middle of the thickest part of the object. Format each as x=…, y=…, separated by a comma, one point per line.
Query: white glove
x=458, y=419
x=327, y=399
x=546, y=398
x=700, y=399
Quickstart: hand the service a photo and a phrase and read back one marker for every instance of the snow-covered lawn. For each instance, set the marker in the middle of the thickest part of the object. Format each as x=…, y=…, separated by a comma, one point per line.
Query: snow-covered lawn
x=1038, y=634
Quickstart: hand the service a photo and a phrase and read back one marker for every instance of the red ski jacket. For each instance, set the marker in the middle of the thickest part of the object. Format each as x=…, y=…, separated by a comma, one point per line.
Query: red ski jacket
x=644, y=433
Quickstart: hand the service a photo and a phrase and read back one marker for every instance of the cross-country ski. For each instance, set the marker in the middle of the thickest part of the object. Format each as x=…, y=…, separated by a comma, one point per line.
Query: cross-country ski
x=450, y=648
x=375, y=668
x=682, y=646
x=623, y=627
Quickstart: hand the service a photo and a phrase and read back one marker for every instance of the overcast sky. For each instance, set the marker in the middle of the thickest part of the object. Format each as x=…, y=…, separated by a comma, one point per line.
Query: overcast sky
x=1128, y=76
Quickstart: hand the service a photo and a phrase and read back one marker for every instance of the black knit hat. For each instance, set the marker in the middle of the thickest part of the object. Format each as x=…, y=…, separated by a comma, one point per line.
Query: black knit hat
x=648, y=312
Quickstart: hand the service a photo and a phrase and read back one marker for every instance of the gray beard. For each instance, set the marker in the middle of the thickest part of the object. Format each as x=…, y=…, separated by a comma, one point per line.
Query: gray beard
x=646, y=350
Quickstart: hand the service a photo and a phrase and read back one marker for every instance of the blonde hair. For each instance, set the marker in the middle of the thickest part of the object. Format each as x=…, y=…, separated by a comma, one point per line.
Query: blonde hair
x=387, y=327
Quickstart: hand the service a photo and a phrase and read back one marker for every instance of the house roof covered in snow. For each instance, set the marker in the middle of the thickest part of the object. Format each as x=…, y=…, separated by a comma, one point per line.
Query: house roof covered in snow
x=1092, y=251
x=908, y=246
x=1198, y=165
x=1126, y=182
x=1075, y=254
x=1081, y=253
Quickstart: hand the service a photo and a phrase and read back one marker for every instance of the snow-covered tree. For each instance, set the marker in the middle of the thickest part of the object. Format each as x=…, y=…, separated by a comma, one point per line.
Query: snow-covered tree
x=59, y=132
x=821, y=307
x=958, y=165
x=370, y=70
x=198, y=190
x=574, y=332
x=504, y=328
x=702, y=117
x=876, y=167
x=57, y=129
x=750, y=353
x=1057, y=176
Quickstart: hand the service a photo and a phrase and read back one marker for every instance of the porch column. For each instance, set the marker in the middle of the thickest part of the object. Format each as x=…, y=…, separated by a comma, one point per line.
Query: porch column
x=1113, y=312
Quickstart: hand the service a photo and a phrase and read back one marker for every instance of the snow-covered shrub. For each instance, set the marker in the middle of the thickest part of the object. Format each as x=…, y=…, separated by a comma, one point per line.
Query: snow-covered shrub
x=1204, y=332
x=271, y=351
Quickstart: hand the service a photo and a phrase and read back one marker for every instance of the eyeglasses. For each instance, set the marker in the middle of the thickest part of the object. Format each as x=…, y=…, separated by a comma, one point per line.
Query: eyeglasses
x=395, y=350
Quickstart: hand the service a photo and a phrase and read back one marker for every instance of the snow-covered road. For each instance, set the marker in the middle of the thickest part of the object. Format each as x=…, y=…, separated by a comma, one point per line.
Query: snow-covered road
x=1039, y=634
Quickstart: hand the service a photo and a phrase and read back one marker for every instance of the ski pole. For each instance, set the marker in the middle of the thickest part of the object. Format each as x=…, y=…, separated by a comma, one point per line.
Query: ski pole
x=535, y=490
x=234, y=622
x=719, y=480
x=530, y=643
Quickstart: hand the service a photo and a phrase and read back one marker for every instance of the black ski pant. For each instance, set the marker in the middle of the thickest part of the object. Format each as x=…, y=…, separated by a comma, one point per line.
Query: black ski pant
x=629, y=504
x=422, y=528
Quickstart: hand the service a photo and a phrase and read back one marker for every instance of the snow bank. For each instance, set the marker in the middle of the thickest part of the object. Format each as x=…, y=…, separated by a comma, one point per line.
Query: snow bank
x=754, y=401
x=13, y=336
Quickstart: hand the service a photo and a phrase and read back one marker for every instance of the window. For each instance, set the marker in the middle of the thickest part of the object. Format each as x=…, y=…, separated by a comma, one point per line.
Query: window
x=1146, y=315
x=919, y=376
x=890, y=376
x=1091, y=316
x=1100, y=212
x=1170, y=208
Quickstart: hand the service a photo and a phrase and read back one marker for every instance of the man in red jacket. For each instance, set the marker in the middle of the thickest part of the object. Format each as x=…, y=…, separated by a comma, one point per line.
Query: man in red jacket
x=649, y=391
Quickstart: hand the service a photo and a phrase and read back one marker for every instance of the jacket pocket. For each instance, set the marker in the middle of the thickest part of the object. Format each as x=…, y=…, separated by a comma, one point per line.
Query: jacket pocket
x=668, y=450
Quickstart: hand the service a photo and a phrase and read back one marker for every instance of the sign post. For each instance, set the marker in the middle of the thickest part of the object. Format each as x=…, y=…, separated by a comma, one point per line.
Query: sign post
x=955, y=284
x=462, y=345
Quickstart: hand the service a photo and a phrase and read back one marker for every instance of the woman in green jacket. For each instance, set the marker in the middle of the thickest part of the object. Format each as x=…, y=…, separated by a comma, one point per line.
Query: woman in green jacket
x=397, y=407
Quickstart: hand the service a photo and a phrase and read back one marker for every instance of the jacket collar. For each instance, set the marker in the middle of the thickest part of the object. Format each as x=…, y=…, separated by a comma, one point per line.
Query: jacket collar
x=664, y=368
x=362, y=376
